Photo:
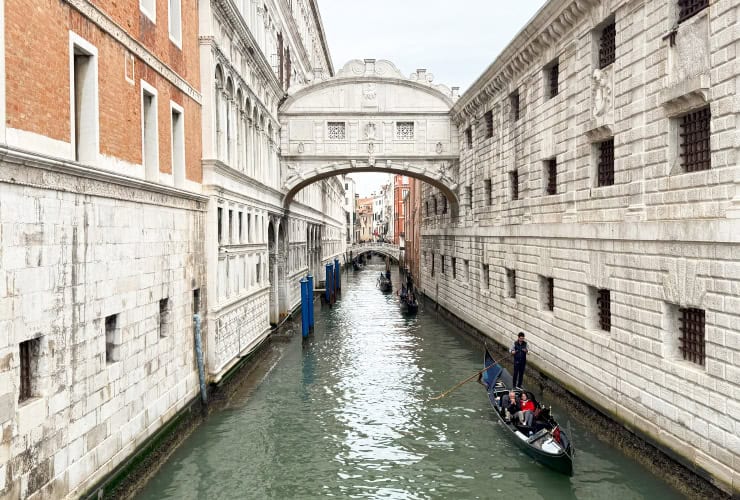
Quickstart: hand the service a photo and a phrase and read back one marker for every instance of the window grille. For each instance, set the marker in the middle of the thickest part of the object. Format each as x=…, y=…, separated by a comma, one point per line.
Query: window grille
x=489, y=124
x=550, y=284
x=695, y=148
x=25, y=353
x=511, y=278
x=487, y=190
x=426, y=208
x=486, y=277
x=692, y=335
x=514, y=181
x=689, y=8
x=405, y=131
x=553, y=79
x=603, y=302
x=454, y=267
x=469, y=195
x=432, y=264
x=515, y=105
x=608, y=45
x=469, y=137
x=444, y=205
x=606, y=163
x=336, y=131
x=552, y=176
x=442, y=260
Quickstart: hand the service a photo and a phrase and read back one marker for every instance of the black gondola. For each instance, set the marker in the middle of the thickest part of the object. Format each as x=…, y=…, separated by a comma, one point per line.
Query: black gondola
x=544, y=440
x=407, y=301
x=384, y=283
x=356, y=265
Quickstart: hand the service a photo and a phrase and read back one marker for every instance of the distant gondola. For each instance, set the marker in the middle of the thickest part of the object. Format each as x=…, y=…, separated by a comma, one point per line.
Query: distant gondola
x=544, y=441
x=384, y=283
x=356, y=265
x=407, y=301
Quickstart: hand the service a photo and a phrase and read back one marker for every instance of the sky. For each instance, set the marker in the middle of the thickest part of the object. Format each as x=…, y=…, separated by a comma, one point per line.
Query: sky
x=455, y=41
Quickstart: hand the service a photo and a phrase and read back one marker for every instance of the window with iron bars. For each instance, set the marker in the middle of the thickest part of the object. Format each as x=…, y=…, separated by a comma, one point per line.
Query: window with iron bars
x=514, y=183
x=515, y=105
x=489, y=124
x=26, y=354
x=696, y=152
x=453, y=264
x=487, y=191
x=444, y=204
x=689, y=8
x=469, y=137
x=432, y=263
x=442, y=264
x=553, y=73
x=605, y=174
x=603, y=304
x=336, y=131
x=469, y=195
x=551, y=169
x=608, y=45
x=485, y=277
x=549, y=284
x=692, y=335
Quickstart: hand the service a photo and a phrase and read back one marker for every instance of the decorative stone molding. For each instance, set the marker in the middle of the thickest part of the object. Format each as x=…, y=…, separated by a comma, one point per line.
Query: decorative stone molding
x=682, y=284
x=685, y=96
x=109, y=26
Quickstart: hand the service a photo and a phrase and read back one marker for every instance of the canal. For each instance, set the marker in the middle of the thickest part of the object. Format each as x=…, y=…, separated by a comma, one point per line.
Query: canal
x=347, y=414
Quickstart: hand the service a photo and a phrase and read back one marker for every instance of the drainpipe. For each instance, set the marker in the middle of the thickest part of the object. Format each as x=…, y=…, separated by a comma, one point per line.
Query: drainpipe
x=199, y=359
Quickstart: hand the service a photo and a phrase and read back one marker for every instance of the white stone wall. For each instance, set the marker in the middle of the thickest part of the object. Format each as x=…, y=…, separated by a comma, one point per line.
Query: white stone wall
x=74, y=250
x=658, y=239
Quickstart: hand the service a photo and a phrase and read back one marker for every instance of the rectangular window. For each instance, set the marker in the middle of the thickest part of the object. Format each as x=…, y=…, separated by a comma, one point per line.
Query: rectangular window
x=608, y=45
x=219, y=223
x=453, y=263
x=489, y=124
x=149, y=134
x=485, y=281
x=487, y=193
x=432, y=263
x=551, y=174
x=515, y=106
x=405, y=131
x=175, y=12
x=336, y=131
x=469, y=195
x=84, y=93
x=547, y=293
x=442, y=260
x=30, y=351
x=514, y=184
x=466, y=271
x=178, y=145
x=605, y=174
x=552, y=74
x=511, y=283
x=689, y=8
x=240, y=217
x=149, y=9
x=604, y=309
x=696, y=152
x=113, y=339
x=692, y=335
x=230, y=226
x=165, y=312
x=196, y=301
x=469, y=137
x=249, y=228
x=259, y=267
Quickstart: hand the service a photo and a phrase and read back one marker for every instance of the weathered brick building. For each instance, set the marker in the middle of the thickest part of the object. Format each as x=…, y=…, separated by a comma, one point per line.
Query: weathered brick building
x=599, y=212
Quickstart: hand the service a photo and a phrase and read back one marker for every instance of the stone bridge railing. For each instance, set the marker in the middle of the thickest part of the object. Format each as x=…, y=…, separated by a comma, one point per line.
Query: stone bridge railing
x=389, y=249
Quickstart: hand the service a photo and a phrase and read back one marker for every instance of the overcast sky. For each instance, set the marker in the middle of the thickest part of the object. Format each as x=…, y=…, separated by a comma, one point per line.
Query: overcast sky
x=455, y=41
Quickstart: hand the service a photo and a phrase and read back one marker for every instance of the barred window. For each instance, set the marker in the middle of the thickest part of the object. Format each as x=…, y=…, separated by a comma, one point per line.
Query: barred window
x=603, y=303
x=689, y=8
x=606, y=163
x=26, y=349
x=551, y=171
x=432, y=263
x=336, y=131
x=469, y=195
x=444, y=204
x=453, y=262
x=442, y=261
x=692, y=335
x=487, y=191
x=485, y=277
x=514, y=184
x=608, y=45
x=489, y=124
x=426, y=208
x=515, y=105
x=405, y=131
x=553, y=73
x=695, y=147
x=548, y=293
x=469, y=137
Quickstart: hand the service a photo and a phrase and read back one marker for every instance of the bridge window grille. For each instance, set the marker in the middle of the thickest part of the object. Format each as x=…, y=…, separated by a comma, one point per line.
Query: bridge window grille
x=695, y=147
x=514, y=183
x=405, y=131
x=603, y=304
x=551, y=167
x=336, y=131
x=553, y=74
x=692, y=335
x=469, y=137
x=608, y=45
x=689, y=8
x=489, y=124
x=515, y=106
x=606, y=163
x=511, y=283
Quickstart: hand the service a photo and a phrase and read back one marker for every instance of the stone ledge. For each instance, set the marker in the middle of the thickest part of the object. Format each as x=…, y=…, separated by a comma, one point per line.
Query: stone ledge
x=685, y=96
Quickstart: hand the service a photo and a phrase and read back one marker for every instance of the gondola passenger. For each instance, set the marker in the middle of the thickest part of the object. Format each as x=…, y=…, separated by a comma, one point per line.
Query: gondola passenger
x=526, y=411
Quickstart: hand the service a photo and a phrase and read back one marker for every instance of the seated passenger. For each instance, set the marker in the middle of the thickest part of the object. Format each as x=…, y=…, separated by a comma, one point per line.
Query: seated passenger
x=526, y=411
x=509, y=405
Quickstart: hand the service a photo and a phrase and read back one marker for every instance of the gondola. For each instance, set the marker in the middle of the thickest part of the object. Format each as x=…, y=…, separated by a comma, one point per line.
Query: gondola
x=407, y=301
x=356, y=265
x=384, y=283
x=544, y=441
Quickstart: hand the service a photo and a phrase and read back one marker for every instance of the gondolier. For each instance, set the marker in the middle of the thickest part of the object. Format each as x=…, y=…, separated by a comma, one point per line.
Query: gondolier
x=519, y=351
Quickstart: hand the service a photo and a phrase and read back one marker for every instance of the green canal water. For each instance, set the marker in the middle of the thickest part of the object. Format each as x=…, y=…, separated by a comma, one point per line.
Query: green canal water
x=347, y=414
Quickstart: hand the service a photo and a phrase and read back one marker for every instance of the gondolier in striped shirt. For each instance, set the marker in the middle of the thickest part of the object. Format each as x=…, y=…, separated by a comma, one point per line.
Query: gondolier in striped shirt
x=519, y=352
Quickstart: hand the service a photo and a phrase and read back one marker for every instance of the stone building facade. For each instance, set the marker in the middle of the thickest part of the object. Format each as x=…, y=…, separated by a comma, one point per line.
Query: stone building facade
x=600, y=213
x=101, y=221
x=251, y=53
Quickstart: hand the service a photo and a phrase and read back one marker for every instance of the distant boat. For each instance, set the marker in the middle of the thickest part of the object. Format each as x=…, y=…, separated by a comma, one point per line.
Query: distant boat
x=407, y=301
x=544, y=441
x=356, y=265
x=384, y=283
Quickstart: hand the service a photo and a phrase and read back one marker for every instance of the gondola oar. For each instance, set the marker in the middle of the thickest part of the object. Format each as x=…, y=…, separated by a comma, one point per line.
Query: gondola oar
x=448, y=391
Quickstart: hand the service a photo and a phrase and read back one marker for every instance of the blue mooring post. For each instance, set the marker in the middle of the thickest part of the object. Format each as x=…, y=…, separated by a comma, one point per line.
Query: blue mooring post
x=310, y=300
x=337, y=276
x=305, y=301
x=328, y=283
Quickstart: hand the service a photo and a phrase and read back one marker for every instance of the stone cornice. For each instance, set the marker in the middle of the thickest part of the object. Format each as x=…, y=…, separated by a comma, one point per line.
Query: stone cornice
x=224, y=170
x=545, y=30
x=109, y=26
x=322, y=34
x=31, y=169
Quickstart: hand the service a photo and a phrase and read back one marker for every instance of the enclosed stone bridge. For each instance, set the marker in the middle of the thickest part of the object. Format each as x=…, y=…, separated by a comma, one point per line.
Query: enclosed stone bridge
x=387, y=249
x=369, y=117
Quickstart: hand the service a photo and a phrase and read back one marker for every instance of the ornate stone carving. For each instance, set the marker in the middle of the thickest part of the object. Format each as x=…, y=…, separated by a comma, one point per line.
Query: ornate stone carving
x=301, y=147
x=370, y=131
x=369, y=93
x=601, y=93
x=682, y=284
x=439, y=148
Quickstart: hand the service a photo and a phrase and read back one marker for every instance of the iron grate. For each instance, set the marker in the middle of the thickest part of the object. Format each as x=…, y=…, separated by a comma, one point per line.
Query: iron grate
x=514, y=179
x=550, y=294
x=608, y=45
x=606, y=163
x=554, y=74
x=695, y=147
x=603, y=301
x=552, y=176
x=689, y=8
x=25, y=355
x=692, y=338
